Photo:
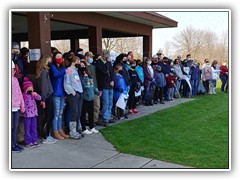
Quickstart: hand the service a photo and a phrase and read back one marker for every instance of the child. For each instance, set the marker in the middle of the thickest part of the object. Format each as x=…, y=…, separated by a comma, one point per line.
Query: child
x=45, y=91
x=88, y=99
x=17, y=104
x=134, y=87
x=120, y=87
x=30, y=115
x=160, y=83
x=171, y=80
x=57, y=73
x=73, y=88
x=215, y=76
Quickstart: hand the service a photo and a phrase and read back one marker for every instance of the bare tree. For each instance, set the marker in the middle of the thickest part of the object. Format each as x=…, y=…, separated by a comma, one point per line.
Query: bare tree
x=200, y=44
x=109, y=43
x=62, y=45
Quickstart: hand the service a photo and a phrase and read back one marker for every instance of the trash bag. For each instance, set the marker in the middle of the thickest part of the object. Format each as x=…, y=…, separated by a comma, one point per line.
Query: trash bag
x=201, y=89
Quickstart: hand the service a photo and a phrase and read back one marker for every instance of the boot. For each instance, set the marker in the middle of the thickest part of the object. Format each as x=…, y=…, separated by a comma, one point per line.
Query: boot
x=57, y=135
x=73, y=133
x=62, y=133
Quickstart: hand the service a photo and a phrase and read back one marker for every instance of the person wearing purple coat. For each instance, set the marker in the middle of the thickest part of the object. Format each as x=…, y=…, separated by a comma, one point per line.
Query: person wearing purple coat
x=30, y=114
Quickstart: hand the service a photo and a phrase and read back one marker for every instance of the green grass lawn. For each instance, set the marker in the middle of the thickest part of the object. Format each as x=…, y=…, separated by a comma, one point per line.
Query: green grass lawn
x=193, y=134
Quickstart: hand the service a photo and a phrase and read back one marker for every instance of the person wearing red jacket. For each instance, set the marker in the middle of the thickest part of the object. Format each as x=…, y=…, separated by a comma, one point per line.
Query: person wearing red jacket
x=171, y=80
x=224, y=77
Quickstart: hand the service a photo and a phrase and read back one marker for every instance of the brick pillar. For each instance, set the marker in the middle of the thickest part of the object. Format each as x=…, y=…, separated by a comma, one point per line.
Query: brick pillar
x=147, y=45
x=95, y=39
x=74, y=44
x=39, y=35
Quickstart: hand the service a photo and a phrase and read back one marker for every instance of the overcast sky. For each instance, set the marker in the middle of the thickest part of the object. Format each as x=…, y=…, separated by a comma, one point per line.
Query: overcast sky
x=213, y=21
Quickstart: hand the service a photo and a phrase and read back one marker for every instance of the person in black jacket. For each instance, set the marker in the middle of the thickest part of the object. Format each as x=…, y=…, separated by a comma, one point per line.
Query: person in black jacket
x=105, y=80
x=135, y=87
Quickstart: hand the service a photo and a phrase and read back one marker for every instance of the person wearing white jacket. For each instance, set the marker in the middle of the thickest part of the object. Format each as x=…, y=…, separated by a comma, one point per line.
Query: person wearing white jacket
x=215, y=76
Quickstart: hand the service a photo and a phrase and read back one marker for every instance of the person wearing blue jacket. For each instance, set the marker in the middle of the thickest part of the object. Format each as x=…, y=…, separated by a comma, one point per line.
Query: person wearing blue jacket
x=57, y=72
x=160, y=83
x=120, y=86
x=139, y=70
x=195, y=77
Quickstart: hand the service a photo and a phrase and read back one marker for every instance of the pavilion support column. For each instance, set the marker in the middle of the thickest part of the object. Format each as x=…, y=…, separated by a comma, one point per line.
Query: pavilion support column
x=147, y=45
x=39, y=35
x=95, y=39
x=74, y=44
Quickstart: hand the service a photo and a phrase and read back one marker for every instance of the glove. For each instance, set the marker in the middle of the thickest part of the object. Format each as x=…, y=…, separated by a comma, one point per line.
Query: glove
x=125, y=92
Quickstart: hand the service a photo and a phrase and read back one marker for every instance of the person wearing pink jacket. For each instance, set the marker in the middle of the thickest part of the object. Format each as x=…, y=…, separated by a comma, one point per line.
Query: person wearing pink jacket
x=17, y=104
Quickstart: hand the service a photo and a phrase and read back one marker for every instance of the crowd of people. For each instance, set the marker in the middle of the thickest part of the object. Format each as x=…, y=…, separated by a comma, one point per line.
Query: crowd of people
x=89, y=90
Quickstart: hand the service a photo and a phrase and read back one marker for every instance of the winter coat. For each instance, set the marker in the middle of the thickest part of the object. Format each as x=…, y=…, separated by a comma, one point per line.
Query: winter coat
x=195, y=73
x=57, y=78
x=30, y=105
x=140, y=73
x=104, y=74
x=224, y=71
x=17, y=97
x=119, y=86
x=135, y=81
x=147, y=76
x=171, y=80
x=44, y=85
x=160, y=79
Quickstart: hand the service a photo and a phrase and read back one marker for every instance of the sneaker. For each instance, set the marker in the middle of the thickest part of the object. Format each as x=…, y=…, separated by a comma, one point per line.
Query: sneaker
x=94, y=130
x=105, y=124
x=30, y=146
x=52, y=138
x=135, y=111
x=162, y=102
x=49, y=140
x=36, y=144
x=20, y=147
x=87, y=132
x=130, y=111
x=16, y=149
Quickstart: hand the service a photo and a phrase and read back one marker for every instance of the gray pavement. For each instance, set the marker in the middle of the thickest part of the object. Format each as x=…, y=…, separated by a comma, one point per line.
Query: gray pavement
x=92, y=151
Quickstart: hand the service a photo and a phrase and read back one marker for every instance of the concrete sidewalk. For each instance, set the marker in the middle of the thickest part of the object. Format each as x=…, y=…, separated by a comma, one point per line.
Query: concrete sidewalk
x=92, y=151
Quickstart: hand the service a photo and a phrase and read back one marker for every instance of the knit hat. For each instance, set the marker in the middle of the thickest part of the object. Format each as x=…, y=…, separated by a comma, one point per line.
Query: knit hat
x=155, y=56
x=26, y=84
x=106, y=53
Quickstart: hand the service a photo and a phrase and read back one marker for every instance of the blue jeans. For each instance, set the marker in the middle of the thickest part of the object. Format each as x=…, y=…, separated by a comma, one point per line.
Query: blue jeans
x=170, y=93
x=15, y=121
x=178, y=83
x=194, y=84
x=224, y=80
x=107, y=103
x=58, y=105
